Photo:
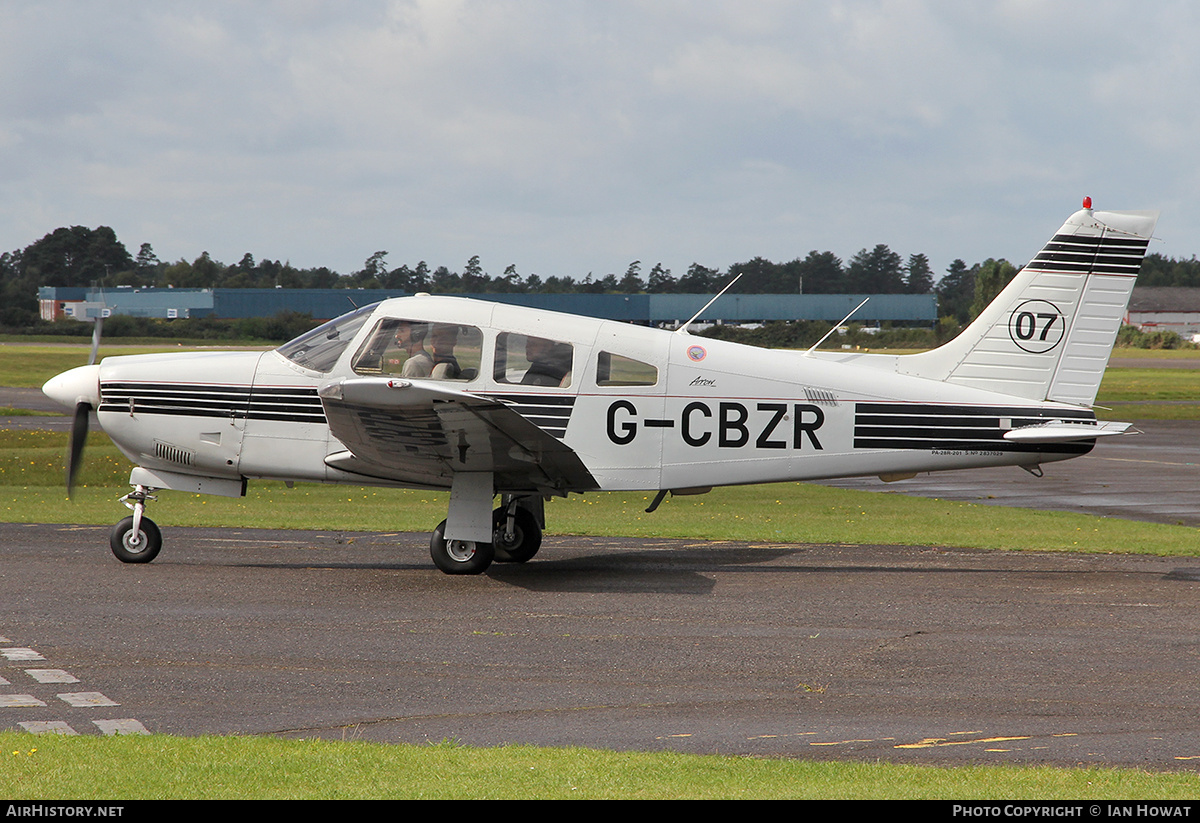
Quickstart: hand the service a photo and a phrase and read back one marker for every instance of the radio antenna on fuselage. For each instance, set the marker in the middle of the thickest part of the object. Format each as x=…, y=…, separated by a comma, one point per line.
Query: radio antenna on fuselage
x=684, y=328
x=836, y=326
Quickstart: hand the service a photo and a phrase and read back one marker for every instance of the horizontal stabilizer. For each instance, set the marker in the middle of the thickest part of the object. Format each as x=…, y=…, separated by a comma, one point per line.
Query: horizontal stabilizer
x=1058, y=431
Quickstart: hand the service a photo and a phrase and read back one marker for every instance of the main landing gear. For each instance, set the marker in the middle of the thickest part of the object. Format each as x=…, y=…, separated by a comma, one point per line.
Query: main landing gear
x=516, y=535
x=516, y=538
x=136, y=539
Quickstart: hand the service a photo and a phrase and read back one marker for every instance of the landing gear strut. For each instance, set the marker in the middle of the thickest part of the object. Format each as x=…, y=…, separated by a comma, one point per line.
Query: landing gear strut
x=516, y=537
x=136, y=539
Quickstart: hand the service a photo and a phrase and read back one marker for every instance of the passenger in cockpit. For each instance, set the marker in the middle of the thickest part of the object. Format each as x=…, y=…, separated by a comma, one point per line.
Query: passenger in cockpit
x=549, y=362
x=443, y=339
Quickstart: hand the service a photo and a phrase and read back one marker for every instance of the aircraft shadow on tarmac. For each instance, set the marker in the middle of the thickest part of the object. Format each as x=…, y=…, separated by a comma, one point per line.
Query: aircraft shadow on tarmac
x=671, y=571
x=586, y=565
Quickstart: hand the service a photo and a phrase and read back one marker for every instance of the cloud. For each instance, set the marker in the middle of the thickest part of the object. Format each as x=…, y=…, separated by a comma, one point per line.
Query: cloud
x=569, y=137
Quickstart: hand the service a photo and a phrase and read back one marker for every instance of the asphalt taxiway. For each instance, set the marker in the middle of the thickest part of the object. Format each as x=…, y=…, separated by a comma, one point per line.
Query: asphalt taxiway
x=1152, y=476
x=818, y=651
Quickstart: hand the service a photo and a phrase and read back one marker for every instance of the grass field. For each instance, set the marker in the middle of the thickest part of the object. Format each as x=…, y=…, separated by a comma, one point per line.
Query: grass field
x=267, y=768
x=29, y=366
x=31, y=490
x=31, y=485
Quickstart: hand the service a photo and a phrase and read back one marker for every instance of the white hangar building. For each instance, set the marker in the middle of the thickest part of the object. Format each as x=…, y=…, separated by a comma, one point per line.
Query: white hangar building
x=1165, y=308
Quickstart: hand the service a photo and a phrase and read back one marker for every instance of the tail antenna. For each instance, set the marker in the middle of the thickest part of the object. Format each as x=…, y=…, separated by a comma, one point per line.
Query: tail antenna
x=836, y=326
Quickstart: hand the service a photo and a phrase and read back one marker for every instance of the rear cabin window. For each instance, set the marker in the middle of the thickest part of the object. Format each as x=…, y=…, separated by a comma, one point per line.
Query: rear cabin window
x=418, y=349
x=618, y=370
x=532, y=361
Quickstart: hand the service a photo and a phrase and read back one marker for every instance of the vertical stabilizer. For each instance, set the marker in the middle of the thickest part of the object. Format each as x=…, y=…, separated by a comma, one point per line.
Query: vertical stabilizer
x=1048, y=335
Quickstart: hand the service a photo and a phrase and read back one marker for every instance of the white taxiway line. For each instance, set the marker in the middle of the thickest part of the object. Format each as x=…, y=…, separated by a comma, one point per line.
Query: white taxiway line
x=76, y=700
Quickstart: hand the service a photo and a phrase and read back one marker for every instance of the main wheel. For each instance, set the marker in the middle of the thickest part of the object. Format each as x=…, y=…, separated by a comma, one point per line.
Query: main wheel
x=459, y=556
x=135, y=548
x=526, y=537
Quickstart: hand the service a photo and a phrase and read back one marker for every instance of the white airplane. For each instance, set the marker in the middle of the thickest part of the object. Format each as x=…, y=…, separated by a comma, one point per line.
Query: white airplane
x=487, y=399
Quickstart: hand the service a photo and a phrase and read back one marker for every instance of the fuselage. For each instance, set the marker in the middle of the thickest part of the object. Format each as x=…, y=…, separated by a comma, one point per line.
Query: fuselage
x=642, y=408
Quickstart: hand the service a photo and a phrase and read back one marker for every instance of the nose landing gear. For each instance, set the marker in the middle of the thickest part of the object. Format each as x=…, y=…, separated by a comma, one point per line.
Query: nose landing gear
x=136, y=539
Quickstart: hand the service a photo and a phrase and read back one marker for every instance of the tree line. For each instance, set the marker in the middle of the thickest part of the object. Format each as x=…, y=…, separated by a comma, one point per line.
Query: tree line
x=80, y=256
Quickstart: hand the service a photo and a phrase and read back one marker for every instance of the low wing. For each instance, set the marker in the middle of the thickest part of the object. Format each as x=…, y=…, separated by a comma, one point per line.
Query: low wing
x=421, y=433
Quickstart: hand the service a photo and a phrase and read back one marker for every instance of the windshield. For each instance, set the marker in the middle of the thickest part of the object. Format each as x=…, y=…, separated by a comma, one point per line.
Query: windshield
x=320, y=348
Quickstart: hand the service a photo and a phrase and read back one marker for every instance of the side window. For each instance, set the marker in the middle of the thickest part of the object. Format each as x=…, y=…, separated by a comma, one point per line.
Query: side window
x=419, y=349
x=617, y=370
x=532, y=361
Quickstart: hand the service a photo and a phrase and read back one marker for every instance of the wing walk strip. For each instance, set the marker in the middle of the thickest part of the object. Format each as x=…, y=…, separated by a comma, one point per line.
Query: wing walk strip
x=929, y=427
x=297, y=405
x=418, y=432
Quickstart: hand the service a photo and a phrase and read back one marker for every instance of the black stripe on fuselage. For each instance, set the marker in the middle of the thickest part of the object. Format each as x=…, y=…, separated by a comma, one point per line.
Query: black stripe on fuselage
x=928, y=427
x=295, y=405
x=550, y=413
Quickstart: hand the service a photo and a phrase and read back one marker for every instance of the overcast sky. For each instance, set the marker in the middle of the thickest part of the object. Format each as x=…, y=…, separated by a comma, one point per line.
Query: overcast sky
x=574, y=137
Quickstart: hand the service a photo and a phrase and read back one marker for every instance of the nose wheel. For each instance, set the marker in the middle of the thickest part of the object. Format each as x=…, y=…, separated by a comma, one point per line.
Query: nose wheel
x=136, y=539
x=135, y=546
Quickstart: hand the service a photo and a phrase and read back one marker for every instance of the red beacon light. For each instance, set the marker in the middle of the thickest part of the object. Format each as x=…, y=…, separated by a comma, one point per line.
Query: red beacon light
x=1087, y=203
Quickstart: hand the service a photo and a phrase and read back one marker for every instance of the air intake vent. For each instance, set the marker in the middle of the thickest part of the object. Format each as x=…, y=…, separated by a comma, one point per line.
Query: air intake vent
x=822, y=397
x=173, y=454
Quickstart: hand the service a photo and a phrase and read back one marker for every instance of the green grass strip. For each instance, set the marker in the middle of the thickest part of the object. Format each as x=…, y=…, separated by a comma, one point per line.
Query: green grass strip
x=32, y=491
x=159, y=766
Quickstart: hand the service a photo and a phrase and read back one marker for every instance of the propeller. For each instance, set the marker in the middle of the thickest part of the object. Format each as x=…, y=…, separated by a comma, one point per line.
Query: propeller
x=95, y=340
x=78, y=388
x=79, y=433
x=79, y=423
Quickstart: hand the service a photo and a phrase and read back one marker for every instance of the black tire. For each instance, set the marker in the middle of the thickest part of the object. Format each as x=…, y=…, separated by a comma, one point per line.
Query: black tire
x=527, y=536
x=459, y=556
x=144, y=550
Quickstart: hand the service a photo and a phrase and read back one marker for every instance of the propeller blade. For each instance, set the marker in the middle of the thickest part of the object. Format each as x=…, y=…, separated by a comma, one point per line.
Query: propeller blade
x=95, y=340
x=79, y=433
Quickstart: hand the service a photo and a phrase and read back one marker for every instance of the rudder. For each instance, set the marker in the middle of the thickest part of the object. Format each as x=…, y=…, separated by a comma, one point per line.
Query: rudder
x=1049, y=333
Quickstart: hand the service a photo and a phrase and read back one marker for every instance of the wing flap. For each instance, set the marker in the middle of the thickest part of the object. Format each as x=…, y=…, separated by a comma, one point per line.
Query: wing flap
x=421, y=433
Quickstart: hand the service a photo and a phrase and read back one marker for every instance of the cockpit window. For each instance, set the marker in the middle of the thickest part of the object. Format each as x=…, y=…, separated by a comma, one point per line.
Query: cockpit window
x=532, y=361
x=320, y=348
x=419, y=349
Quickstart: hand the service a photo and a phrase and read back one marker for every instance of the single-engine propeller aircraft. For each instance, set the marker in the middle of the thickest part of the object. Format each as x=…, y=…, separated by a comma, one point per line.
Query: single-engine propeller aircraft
x=487, y=399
